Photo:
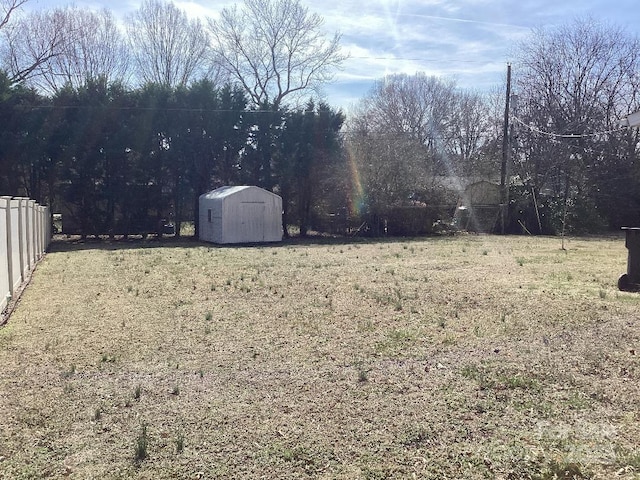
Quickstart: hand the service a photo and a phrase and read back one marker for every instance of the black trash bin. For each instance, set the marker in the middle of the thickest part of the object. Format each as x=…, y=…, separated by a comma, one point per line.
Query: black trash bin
x=630, y=281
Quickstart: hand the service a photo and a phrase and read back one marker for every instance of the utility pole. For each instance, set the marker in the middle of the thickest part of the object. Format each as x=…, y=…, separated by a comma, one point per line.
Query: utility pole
x=504, y=184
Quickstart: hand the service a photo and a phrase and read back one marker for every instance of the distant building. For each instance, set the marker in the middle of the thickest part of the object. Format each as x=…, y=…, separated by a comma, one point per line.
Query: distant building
x=477, y=204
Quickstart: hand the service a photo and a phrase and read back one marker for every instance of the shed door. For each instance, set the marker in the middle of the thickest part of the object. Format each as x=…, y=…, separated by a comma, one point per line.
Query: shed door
x=252, y=218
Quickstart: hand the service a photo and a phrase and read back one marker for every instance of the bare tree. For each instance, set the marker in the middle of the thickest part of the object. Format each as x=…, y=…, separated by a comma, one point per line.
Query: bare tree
x=469, y=134
x=389, y=165
x=7, y=9
x=93, y=48
x=417, y=105
x=274, y=48
x=409, y=132
x=31, y=42
x=167, y=47
x=575, y=82
x=451, y=125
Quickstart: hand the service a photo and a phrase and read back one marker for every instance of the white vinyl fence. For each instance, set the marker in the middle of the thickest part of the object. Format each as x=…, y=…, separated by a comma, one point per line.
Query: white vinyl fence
x=25, y=234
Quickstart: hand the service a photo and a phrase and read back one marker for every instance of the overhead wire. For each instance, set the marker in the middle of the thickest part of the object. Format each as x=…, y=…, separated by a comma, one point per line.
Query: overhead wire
x=568, y=135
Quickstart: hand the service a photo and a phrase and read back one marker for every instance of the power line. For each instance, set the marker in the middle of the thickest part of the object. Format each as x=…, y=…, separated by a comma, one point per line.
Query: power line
x=422, y=59
x=567, y=135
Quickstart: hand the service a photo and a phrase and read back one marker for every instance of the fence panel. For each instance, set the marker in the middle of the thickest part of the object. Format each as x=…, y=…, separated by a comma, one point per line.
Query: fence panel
x=25, y=234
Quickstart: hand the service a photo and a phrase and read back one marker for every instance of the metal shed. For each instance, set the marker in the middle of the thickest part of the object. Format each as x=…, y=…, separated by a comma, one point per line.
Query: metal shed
x=241, y=214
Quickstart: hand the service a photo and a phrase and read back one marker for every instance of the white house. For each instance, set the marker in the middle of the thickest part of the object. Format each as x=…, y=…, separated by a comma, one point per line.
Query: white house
x=242, y=214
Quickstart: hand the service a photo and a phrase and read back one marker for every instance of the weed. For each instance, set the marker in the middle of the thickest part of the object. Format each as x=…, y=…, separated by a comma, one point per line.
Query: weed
x=470, y=371
x=603, y=294
x=179, y=443
x=397, y=303
x=627, y=459
x=519, y=382
x=208, y=316
x=107, y=358
x=175, y=390
x=70, y=372
x=142, y=443
x=485, y=252
x=97, y=414
x=415, y=437
x=578, y=402
x=366, y=326
x=137, y=392
x=207, y=330
x=499, y=382
x=562, y=470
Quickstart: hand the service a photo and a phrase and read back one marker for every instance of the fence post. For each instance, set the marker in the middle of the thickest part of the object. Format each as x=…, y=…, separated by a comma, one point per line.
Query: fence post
x=29, y=234
x=39, y=224
x=17, y=273
x=6, y=285
x=22, y=236
x=49, y=227
x=10, y=247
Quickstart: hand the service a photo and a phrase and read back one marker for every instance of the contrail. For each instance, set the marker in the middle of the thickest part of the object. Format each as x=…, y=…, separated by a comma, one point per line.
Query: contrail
x=463, y=20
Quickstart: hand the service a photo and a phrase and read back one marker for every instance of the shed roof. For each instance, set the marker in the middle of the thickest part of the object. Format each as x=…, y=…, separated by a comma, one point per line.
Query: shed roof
x=225, y=191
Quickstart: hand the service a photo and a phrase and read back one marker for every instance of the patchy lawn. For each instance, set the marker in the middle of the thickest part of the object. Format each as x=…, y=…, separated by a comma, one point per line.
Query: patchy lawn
x=461, y=357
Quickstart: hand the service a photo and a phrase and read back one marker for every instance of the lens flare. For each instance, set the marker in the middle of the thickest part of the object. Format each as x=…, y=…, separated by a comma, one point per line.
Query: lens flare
x=357, y=196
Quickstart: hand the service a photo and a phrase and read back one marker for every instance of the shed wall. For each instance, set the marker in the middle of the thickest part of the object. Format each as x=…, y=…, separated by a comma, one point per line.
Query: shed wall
x=240, y=215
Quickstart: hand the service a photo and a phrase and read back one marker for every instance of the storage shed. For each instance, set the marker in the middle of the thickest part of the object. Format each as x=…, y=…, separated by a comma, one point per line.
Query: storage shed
x=241, y=214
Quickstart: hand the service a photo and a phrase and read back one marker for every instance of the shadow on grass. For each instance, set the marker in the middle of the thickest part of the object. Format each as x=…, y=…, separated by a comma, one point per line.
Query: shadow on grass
x=64, y=243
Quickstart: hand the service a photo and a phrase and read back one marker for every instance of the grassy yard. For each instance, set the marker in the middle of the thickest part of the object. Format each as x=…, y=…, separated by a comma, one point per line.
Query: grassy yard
x=462, y=357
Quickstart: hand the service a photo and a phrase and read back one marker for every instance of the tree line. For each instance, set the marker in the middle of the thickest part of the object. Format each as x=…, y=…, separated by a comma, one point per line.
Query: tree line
x=123, y=130
x=572, y=166
x=119, y=161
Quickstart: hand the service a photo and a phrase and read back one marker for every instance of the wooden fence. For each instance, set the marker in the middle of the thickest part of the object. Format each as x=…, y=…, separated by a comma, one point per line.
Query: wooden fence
x=25, y=234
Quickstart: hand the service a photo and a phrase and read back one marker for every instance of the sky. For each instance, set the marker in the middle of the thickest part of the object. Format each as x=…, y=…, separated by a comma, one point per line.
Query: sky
x=468, y=41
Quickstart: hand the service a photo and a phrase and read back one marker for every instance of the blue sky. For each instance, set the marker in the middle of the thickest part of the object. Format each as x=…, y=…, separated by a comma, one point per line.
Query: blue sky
x=470, y=41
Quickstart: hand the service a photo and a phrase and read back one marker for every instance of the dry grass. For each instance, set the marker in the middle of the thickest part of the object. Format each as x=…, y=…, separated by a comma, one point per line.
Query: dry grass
x=467, y=357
